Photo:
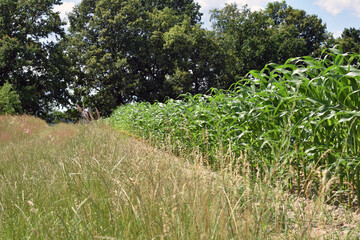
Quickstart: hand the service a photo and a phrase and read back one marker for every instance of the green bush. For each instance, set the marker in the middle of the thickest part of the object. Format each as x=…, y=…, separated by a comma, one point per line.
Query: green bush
x=9, y=100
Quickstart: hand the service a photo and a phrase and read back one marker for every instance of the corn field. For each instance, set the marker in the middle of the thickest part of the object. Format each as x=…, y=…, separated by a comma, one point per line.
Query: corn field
x=303, y=115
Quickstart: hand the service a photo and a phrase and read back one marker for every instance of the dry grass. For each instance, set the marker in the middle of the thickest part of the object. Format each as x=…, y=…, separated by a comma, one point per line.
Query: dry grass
x=15, y=128
x=101, y=184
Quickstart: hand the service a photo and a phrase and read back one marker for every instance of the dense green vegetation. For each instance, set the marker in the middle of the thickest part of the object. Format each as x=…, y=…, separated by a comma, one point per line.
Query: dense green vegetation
x=303, y=115
x=36, y=69
x=285, y=128
x=273, y=35
x=116, y=52
x=9, y=100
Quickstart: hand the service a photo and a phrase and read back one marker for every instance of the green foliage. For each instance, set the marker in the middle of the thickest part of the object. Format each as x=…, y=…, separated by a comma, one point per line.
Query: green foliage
x=69, y=116
x=36, y=69
x=290, y=114
x=119, y=52
x=199, y=62
x=350, y=40
x=9, y=100
x=305, y=28
x=134, y=50
x=271, y=35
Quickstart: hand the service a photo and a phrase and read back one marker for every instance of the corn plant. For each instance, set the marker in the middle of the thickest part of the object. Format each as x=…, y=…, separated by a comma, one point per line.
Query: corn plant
x=303, y=114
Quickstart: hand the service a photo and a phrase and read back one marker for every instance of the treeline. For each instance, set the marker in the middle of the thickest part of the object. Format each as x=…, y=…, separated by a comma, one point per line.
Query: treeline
x=116, y=51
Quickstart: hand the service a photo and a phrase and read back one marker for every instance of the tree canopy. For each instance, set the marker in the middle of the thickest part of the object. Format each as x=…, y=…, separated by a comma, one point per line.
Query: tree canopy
x=271, y=35
x=35, y=67
x=350, y=40
x=121, y=51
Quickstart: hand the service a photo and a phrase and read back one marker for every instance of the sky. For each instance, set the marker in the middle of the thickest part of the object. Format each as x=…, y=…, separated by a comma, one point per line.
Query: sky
x=337, y=14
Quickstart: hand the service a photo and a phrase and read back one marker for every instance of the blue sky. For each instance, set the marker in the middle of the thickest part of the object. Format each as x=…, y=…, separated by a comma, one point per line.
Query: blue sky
x=337, y=14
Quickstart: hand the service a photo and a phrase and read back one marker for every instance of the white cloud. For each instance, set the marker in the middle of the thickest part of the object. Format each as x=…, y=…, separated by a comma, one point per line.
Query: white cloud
x=207, y=5
x=335, y=7
x=210, y=4
x=338, y=33
x=64, y=9
x=253, y=5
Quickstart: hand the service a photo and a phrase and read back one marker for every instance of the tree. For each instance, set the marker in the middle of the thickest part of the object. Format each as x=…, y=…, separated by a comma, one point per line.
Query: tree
x=271, y=35
x=198, y=59
x=308, y=28
x=118, y=49
x=350, y=40
x=9, y=100
x=32, y=64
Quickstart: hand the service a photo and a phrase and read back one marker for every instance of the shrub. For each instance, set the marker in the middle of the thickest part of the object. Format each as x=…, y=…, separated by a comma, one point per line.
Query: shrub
x=9, y=100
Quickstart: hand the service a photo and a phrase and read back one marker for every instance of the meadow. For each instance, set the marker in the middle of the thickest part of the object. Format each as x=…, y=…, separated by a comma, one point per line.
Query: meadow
x=299, y=120
x=88, y=181
x=274, y=157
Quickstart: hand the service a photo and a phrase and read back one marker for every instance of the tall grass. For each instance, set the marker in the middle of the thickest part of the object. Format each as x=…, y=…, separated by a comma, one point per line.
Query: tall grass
x=91, y=182
x=303, y=114
x=18, y=128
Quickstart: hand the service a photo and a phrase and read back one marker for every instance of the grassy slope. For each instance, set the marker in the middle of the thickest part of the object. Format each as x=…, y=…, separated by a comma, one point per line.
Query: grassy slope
x=88, y=181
